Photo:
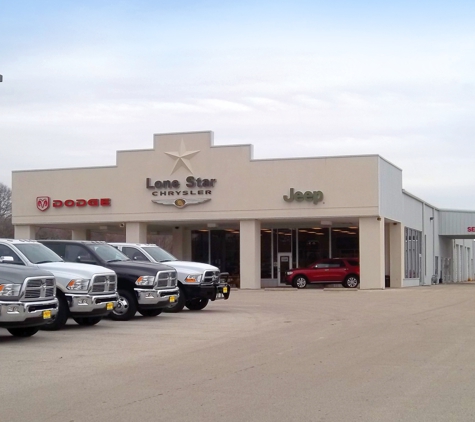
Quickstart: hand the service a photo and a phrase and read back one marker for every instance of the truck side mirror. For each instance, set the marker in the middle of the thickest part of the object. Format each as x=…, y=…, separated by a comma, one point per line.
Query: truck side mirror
x=6, y=259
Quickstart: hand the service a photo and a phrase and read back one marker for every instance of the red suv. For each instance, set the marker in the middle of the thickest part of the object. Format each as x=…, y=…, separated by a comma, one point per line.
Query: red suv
x=327, y=271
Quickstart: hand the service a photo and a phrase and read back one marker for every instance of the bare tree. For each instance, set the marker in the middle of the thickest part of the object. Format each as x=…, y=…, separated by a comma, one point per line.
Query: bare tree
x=49, y=233
x=6, y=227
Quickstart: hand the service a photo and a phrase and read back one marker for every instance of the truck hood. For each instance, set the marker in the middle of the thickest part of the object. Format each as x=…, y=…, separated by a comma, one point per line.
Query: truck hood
x=139, y=267
x=191, y=267
x=69, y=270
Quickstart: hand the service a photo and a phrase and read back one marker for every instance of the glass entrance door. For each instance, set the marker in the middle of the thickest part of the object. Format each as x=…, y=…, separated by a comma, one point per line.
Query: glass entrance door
x=284, y=260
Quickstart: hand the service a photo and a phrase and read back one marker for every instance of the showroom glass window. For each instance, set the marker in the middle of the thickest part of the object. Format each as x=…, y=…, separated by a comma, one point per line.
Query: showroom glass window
x=412, y=253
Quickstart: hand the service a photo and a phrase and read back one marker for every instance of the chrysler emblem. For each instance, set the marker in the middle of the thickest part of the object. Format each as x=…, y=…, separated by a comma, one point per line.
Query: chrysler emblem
x=180, y=203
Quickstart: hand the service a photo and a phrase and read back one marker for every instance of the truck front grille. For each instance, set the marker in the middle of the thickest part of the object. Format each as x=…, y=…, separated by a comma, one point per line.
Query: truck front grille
x=211, y=277
x=166, y=279
x=104, y=284
x=39, y=288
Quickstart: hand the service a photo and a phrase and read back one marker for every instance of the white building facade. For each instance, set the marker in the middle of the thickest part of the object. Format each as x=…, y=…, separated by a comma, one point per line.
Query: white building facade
x=254, y=218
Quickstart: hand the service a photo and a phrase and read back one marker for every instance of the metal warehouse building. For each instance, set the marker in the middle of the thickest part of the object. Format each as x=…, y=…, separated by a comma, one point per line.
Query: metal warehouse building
x=255, y=218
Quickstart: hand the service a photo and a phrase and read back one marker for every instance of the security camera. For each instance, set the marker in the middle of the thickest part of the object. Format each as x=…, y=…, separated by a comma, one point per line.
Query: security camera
x=122, y=225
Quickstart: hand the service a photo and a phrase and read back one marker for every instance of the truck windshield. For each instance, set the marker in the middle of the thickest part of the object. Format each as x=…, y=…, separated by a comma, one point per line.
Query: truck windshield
x=38, y=253
x=159, y=254
x=108, y=253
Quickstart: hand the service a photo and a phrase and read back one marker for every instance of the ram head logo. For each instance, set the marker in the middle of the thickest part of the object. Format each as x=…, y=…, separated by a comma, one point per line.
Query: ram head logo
x=42, y=203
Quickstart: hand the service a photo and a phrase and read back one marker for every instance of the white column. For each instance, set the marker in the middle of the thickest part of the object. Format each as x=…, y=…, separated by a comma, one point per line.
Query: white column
x=371, y=253
x=250, y=254
x=136, y=232
x=79, y=234
x=25, y=232
x=177, y=242
x=396, y=259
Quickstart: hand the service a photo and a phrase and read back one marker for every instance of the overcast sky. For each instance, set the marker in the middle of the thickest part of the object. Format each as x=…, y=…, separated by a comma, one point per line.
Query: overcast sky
x=83, y=79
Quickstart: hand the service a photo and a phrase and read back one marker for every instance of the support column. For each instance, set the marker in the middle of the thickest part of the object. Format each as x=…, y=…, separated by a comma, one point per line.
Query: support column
x=80, y=234
x=396, y=260
x=136, y=232
x=371, y=253
x=177, y=242
x=250, y=254
x=25, y=232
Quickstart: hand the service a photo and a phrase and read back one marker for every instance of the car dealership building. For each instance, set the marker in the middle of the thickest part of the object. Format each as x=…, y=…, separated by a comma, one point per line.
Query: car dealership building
x=255, y=218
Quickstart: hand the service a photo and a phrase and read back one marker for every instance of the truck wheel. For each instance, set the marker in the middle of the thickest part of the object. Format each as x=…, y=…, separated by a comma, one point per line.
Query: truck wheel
x=126, y=306
x=23, y=331
x=61, y=316
x=197, y=304
x=87, y=321
x=150, y=312
x=178, y=305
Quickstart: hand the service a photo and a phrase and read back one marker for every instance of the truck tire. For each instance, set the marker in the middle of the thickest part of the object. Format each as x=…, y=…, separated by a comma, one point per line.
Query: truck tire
x=179, y=304
x=61, y=316
x=87, y=321
x=126, y=306
x=150, y=312
x=197, y=304
x=23, y=331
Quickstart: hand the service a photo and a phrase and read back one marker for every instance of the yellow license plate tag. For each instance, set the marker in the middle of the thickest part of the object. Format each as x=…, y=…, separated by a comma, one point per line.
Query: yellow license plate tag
x=172, y=299
x=109, y=306
x=46, y=314
x=225, y=289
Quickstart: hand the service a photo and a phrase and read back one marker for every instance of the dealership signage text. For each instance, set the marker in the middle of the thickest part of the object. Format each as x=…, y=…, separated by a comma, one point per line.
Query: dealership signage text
x=310, y=196
x=171, y=187
x=44, y=202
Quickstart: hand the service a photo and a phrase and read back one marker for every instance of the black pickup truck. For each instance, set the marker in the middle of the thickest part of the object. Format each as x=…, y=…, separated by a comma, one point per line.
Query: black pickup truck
x=148, y=288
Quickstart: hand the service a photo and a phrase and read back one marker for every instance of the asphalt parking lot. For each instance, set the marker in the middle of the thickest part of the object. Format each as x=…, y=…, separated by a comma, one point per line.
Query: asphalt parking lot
x=278, y=355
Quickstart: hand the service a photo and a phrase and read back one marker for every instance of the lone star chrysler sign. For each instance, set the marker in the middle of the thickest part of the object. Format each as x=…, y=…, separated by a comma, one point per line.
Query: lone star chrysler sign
x=169, y=190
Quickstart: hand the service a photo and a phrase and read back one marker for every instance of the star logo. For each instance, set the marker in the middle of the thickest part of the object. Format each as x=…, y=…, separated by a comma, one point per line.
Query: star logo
x=182, y=158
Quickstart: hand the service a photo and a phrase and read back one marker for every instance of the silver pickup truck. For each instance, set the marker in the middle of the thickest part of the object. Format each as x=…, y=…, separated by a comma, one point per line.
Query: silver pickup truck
x=84, y=292
x=27, y=299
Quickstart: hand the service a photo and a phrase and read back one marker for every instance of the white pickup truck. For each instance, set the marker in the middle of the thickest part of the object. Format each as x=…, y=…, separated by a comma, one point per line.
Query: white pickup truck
x=84, y=292
x=198, y=283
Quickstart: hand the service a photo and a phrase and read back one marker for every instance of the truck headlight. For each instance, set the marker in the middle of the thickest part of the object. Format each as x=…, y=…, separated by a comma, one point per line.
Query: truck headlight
x=10, y=290
x=193, y=278
x=145, y=280
x=78, y=284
